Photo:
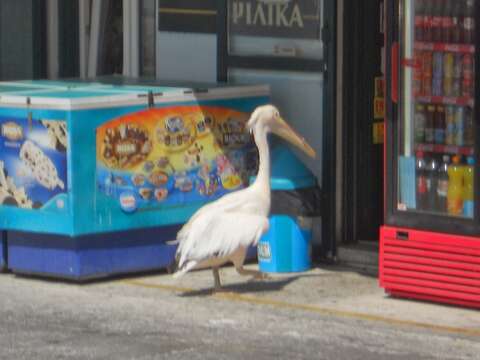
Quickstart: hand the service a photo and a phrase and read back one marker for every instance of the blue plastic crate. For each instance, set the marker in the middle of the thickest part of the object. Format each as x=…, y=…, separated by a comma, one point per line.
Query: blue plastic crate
x=285, y=247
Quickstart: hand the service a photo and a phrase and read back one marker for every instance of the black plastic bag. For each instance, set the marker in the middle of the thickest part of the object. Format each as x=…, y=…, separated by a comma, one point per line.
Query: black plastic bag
x=298, y=202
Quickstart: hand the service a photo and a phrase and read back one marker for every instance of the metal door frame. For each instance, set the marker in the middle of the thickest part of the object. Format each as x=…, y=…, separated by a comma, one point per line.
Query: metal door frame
x=327, y=65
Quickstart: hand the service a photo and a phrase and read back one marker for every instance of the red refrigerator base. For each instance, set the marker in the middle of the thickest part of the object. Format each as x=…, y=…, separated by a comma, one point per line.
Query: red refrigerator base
x=430, y=266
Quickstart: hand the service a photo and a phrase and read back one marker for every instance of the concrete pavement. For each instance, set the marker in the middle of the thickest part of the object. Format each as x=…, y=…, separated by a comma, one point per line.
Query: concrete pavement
x=325, y=313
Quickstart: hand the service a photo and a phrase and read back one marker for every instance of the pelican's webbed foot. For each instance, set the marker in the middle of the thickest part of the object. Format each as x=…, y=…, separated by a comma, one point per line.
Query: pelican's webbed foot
x=256, y=275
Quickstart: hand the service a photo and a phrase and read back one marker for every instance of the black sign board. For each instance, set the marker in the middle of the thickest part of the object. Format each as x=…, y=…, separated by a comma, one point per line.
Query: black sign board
x=275, y=18
x=187, y=15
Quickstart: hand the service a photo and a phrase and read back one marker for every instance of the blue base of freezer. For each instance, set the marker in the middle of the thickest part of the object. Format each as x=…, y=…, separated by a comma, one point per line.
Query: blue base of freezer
x=90, y=256
x=3, y=251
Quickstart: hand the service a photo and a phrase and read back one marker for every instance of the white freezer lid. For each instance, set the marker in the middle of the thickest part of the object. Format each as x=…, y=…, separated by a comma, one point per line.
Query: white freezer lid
x=82, y=96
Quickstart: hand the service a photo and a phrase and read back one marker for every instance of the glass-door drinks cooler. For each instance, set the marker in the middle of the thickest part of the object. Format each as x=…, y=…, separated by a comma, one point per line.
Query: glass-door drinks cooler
x=430, y=244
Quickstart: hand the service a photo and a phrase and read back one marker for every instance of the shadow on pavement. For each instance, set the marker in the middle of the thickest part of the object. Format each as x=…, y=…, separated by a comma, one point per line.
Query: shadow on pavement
x=338, y=267
x=249, y=286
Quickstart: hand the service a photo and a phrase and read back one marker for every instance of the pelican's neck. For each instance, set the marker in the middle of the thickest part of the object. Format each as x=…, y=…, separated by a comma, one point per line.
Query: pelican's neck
x=263, y=176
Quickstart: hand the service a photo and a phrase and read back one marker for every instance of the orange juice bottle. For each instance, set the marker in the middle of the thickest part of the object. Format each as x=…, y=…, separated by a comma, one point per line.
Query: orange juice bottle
x=455, y=187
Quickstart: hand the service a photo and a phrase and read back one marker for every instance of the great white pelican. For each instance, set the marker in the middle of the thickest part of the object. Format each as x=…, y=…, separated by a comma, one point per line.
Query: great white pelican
x=223, y=230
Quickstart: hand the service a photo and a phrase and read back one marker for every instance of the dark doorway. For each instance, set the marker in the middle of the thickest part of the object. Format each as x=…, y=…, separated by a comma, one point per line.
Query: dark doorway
x=22, y=40
x=363, y=153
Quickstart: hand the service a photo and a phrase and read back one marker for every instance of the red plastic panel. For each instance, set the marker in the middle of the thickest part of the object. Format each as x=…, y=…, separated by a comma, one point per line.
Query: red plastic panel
x=430, y=269
x=433, y=238
x=453, y=280
x=430, y=266
x=435, y=247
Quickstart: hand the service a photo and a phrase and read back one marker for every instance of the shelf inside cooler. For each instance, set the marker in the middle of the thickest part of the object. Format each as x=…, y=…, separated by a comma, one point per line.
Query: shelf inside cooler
x=436, y=46
x=446, y=100
x=445, y=149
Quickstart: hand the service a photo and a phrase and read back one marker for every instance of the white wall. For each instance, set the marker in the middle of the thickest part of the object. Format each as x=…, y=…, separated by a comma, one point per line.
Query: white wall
x=186, y=57
x=299, y=97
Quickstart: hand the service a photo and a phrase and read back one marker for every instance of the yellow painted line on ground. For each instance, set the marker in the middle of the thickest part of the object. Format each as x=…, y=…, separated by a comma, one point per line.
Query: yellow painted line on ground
x=234, y=297
x=187, y=11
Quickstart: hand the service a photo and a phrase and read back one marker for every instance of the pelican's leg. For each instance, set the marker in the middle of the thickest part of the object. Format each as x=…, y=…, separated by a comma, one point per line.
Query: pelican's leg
x=238, y=260
x=216, y=277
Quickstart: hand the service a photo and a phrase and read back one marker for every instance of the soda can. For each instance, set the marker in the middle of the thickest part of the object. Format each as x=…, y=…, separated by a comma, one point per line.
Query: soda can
x=450, y=122
x=427, y=63
x=456, y=87
x=427, y=86
x=467, y=74
x=467, y=87
x=448, y=64
x=437, y=65
x=430, y=124
x=458, y=66
x=417, y=79
x=437, y=86
x=448, y=70
x=467, y=66
x=457, y=76
x=448, y=87
x=459, y=125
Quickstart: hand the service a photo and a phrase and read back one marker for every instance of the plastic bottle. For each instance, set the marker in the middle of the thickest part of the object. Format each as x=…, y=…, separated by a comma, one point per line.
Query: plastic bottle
x=442, y=185
x=455, y=187
x=459, y=125
x=447, y=22
x=468, y=187
x=421, y=182
x=437, y=15
x=468, y=25
x=432, y=183
x=417, y=78
x=468, y=128
x=456, y=30
x=419, y=16
x=450, y=125
x=420, y=122
x=448, y=69
x=457, y=75
x=467, y=75
x=427, y=63
x=430, y=125
x=437, y=77
x=440, y=126
x=427, y=20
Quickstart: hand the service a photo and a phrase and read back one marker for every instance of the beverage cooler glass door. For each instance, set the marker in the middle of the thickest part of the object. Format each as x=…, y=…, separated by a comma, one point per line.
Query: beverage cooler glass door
x=434, y=134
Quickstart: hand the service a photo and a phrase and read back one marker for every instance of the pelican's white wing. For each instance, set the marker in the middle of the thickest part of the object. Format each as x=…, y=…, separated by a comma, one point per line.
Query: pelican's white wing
x=238, y=201
x=218, y=235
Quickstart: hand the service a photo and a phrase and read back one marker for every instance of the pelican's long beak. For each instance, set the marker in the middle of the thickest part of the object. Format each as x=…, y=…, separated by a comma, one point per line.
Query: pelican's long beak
x=285, y=131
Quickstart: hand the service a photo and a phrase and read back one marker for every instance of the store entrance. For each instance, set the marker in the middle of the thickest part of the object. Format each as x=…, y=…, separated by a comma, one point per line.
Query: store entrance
x=363, y=171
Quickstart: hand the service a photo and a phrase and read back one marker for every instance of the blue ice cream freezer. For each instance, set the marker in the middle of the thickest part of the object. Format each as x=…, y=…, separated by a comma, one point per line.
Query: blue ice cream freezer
x=3, y=250
x=95, y=178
